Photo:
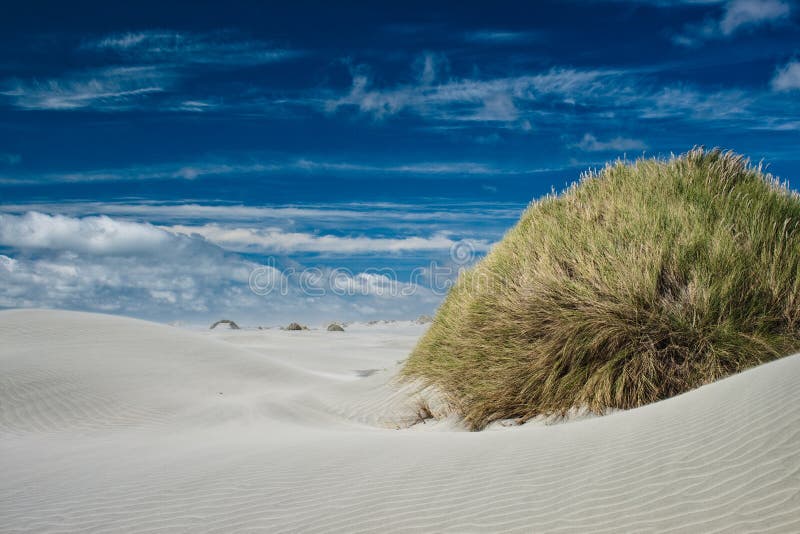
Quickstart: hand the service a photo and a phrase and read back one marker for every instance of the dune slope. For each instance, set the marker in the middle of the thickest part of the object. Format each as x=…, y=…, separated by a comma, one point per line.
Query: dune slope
x=111, y=424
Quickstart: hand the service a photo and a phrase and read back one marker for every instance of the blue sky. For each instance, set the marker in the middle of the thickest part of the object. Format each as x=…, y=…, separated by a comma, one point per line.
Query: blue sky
x=152, y=156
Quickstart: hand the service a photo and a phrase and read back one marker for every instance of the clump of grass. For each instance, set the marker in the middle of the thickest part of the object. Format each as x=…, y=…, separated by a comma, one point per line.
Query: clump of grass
x=638, y=283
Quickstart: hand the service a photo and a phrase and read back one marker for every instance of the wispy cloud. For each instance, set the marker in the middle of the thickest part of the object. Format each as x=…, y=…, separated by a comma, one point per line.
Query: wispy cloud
x=672, y=3
x=151, y=71
x=499, y=36
x=741, y=14
x=590, y=143
x=483, y=100
x=683, y=101
x=154, y=70
x=137, y=173
x=338, y=215
x=140, y=66
x=256, y=167
x=736, y=16
x=552, y=99
x=787, y=78
x=110, y=89
x=423, y=168
x=276, y=240
x=217, y=48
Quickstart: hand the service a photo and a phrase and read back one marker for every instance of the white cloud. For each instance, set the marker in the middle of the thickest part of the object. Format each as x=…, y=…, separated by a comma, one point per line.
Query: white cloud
x=108, y=265
x=140, y=65
x=430, y=67
x=122, y=41
x=548, y=100
x=278, y=241
x=92, y=235
x=559, y=99
x=590, y=143
x=741, y=14
x=490, y=100
x=196, y=106
x=110, y=89
x=541, y=101
x=104, y=264
x=177, y=171
x=181, y=283
x=339, y=213
x=366, y=283
x=737, y=15
x=429, y=168
x=787, y=78
x=310, y=222
x=201, y=169
x=466, y=167
x=690, y=103
x=219, y=48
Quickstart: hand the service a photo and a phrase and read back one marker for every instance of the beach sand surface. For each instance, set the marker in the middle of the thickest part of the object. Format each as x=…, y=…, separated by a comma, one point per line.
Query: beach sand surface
x=110, y=424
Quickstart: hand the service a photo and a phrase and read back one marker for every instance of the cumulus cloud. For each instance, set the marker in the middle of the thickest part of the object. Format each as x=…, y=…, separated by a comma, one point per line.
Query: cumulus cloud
x=375, y=282
x=92, y=235
x=737, y=15
x=104, y=236
x=185, y=283
x=590, y=143
x=787, y=78
x=104, y=264
x=110, y=265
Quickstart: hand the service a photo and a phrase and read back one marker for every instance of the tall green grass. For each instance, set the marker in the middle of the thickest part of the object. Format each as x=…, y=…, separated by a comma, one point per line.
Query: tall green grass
x=638, y=283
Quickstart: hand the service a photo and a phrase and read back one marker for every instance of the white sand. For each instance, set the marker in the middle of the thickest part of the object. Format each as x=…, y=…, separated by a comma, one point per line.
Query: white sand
x=116, y=425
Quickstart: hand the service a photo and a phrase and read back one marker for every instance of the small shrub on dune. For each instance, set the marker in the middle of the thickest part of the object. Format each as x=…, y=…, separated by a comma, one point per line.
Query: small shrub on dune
x=638, y=283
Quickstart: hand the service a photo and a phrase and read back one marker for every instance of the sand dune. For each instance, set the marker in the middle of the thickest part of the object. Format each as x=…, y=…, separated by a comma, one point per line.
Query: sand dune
x=116, y=425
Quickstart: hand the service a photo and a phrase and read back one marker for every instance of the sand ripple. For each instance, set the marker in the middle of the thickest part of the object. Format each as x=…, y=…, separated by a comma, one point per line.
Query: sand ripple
x=116, y=425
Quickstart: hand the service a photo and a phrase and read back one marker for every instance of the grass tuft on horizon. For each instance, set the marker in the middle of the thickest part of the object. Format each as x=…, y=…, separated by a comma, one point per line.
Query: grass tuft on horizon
x=640, y=282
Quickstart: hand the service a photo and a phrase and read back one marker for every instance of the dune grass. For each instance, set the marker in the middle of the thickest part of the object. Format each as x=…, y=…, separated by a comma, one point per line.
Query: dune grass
x=638, y=283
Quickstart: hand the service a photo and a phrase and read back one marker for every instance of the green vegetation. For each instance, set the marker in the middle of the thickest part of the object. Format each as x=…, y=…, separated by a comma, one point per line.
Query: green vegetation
x=638, y=283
